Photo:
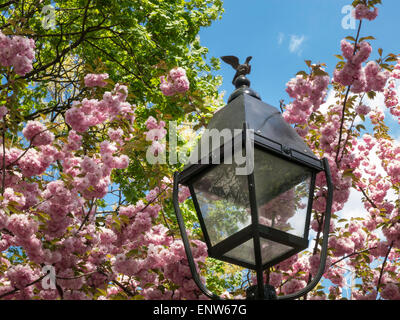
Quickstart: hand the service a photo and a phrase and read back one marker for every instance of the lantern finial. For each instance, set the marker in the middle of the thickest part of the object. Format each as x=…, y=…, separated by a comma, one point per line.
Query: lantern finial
x=241, y=69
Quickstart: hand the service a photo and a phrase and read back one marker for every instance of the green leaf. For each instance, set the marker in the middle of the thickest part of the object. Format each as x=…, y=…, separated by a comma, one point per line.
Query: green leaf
x=367, y=38
x=371, y=94
x=350, y=38
x=302, y=73
x=360, y=127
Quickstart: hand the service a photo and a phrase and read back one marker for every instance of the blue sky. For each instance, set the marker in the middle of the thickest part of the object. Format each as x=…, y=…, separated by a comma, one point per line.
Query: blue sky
x=281, y=34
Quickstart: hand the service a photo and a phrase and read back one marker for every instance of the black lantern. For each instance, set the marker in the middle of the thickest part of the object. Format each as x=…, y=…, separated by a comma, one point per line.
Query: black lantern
x=252, y=189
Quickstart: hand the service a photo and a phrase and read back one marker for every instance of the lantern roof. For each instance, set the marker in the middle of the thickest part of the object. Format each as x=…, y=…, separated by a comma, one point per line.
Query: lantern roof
x=245, y=106
x=271, y=131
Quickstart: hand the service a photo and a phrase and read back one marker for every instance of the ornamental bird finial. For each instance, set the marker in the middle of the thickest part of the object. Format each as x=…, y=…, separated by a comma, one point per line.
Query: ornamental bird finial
x=241, y=69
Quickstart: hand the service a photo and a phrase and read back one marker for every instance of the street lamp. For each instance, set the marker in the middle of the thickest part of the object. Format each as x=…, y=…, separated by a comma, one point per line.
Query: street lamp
x=256, y=213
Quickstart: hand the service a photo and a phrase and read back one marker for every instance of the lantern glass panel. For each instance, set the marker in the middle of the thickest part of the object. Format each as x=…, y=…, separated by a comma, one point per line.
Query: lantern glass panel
x=223, y=199
x=269, y=251
x=282, y=193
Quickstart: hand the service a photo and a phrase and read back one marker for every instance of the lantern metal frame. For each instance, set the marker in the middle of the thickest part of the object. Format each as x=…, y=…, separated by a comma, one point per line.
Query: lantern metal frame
x=256, y=230
x=288, y=148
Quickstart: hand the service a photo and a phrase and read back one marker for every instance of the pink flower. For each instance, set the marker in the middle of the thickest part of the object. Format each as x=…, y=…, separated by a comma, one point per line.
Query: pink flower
x=361, y=11
x=11, y=198
x=121, y=162
x=341, y=246
x=18, y=52
x=390, y=292
x=74, y=141
x=181, y=84
x=275, y=279
x=107, y=147
x=347, y=49
x=20, y=276
x=293, y=286
x=96, y=80
x=88, y=164
x=121, y=91
x=3, y=112
x=32, y=163
x=376, y=79
x=177, y=73
x=176, y=82
x=115, y=134
x=166, y=87
x=362, y=109
x=37, y=133
x=308, y=94
x=151, y=123
x=363, y=53
x=76, y=119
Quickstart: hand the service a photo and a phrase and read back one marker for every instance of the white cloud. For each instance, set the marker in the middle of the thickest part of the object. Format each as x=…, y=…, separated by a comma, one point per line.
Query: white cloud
x=296, y=42
x=377, y=103
x=281, y=37
x=330, y=100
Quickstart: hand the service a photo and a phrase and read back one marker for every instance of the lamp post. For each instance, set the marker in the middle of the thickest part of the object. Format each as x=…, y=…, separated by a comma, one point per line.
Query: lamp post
x=255, y=215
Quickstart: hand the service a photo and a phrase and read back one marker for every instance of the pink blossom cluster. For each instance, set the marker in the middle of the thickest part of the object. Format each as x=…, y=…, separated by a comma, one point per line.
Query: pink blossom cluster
x=116, y=135
x=18, y=52
x=293, y=286
x=162, y=252
x=60, y=202
x=158, y=250
x=293, y=274
x=20, y=276
x=96, y=80
x=361, y=11
x=362, y=109
x=58, y=222
x=369, y=78
x=30, y=163
x=91, y=112
x=74, y=141
x=391, y=291
x=176, y=82
x=93, y=178
x=156, y=132
x=396, y=70
x=342, y=185
x=54, y=210
x=37, y=133
x=308, y=95
x=11, y=198
x=390, y=151
x=391, y=99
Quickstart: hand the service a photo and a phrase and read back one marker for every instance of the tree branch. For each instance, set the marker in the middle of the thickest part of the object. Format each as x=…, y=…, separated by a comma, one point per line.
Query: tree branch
x=345, y=100
x=383, y=267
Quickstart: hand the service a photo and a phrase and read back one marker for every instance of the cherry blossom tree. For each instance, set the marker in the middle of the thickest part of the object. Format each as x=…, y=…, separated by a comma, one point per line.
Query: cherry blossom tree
x=366, y=248
x=75, y=131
